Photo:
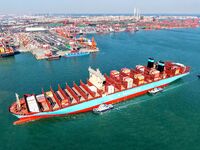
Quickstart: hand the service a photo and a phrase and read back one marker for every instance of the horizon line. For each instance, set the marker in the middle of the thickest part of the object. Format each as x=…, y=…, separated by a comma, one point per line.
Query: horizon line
x=50, y=13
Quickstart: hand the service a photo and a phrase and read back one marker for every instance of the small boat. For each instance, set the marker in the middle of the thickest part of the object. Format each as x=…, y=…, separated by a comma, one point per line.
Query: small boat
x=155, y=91
x=76, y=54
x=53, y=57
x=198, y=76
x=103, y=108
x=136, y=29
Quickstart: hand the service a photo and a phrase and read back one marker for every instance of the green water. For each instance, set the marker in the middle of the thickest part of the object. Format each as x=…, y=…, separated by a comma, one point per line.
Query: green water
x=167, y=121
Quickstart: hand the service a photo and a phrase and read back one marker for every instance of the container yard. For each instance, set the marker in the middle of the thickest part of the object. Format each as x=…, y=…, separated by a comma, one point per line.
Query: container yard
x=50, y=37
x=54, y=42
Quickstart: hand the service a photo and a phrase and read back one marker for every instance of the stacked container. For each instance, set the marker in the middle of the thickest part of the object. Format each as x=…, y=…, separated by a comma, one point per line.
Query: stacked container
x=140, y=68
x=154, y=74
x=126, y=71
x=110, y=89
x=46, y=46
x=163, y=75
x=115, y=74
x=138, y=79
x=128, y=82
x=181, y=67
x=175, y=70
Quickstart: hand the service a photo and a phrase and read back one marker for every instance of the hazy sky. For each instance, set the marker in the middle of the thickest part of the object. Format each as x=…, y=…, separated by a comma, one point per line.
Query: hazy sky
x=99, y=6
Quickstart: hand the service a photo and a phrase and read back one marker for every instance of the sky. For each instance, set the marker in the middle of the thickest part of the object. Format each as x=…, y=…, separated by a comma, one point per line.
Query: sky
x=99, y=6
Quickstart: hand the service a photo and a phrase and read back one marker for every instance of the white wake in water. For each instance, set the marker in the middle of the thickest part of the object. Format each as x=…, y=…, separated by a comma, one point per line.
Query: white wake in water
x=148, y=98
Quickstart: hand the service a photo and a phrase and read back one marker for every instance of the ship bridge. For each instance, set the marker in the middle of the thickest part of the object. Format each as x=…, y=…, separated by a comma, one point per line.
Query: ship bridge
x=96, y=77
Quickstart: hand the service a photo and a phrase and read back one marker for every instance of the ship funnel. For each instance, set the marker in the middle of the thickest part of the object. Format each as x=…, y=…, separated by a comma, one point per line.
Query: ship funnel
x=150, y=63
x=161, y=66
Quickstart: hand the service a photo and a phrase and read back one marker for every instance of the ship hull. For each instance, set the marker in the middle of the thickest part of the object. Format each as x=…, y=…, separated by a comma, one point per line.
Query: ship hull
x=77, y=55
x=7, y=55
x=53, y=58
x=109, y=99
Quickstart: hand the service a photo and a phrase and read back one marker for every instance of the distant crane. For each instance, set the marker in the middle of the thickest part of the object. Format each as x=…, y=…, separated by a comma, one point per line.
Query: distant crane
x=136, y=13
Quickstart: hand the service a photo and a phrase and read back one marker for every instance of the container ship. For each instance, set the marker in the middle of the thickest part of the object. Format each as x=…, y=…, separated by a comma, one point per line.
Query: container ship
x=99, y=89
x=6, y=52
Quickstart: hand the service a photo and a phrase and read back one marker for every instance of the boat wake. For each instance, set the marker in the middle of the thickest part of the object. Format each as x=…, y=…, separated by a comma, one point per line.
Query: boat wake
x=132, y=103
x=148, y=98
x=136, y=101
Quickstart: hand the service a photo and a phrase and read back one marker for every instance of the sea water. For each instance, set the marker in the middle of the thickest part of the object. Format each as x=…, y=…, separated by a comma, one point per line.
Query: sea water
x=169, y=120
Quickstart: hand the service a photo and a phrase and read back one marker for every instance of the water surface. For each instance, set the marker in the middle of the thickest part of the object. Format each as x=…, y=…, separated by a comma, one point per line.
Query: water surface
x=170, y=120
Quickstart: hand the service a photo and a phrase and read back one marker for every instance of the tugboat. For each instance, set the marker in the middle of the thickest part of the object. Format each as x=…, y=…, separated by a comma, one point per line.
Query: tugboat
x=155, y=91
x=102, y=108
